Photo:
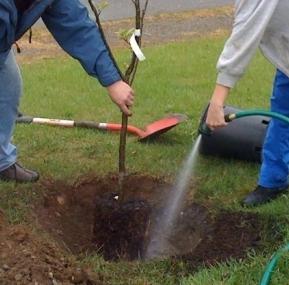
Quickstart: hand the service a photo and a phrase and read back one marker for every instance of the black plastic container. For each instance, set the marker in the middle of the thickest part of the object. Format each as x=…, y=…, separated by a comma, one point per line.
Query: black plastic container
x=241, y=139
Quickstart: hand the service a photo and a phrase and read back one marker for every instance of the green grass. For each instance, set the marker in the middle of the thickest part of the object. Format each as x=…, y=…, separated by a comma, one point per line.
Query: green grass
x=176, y=77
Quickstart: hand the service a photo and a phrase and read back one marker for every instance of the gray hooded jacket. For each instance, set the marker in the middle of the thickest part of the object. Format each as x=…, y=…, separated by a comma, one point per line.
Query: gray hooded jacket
x=260, y=24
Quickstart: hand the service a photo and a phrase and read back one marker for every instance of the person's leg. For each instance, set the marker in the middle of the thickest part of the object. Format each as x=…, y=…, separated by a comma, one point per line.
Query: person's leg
x=10, y=92
x=274, y=170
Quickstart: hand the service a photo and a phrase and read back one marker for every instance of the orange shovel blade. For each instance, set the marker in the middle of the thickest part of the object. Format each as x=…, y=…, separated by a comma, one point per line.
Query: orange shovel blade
x=161, y=126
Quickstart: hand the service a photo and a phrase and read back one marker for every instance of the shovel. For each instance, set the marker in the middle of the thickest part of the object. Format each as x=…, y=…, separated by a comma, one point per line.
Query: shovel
x=151, y=131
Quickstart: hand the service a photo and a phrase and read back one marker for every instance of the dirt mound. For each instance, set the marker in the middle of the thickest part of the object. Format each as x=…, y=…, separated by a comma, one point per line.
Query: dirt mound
x=90, y=217
x=26, y=259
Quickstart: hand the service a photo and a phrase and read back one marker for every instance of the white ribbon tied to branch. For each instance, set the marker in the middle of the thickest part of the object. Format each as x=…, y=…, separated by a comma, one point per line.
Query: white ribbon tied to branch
x=135, y=47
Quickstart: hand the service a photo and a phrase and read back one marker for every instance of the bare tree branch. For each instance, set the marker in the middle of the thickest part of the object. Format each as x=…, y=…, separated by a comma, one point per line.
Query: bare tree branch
x=143, y=12
x=96, y=13
x=128, y=77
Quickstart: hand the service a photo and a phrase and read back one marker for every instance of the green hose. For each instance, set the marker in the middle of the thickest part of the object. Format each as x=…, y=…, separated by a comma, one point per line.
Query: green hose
x=272, y=264
x=241, y=114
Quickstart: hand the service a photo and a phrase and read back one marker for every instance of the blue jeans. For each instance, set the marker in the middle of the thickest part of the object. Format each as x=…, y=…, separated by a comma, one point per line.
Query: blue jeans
x=10, y=92
x=274, y=170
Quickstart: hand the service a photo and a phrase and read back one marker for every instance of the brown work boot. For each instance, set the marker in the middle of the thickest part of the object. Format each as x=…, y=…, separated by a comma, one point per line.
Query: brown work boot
x=18, y=174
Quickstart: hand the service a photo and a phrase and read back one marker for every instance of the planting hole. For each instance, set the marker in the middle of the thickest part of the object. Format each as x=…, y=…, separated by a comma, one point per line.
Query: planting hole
x=90, y=217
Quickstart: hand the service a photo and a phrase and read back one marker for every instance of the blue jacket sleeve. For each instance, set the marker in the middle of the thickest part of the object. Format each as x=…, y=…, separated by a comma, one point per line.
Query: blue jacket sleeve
x=8, y=18
x=77, y=34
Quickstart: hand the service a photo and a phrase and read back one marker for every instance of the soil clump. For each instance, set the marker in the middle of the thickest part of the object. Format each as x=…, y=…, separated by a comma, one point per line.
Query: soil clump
x=26, y=258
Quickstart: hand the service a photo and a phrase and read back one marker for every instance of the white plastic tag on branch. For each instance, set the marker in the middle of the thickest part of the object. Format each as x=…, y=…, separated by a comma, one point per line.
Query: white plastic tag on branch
x=135, y=47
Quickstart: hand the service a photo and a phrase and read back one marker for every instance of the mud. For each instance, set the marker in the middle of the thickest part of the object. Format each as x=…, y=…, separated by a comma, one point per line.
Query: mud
x=232, y=234
x=121, y=229
x=92, y=216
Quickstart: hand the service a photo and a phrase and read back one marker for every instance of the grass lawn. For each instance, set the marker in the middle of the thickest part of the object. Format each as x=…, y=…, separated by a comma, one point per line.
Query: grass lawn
x=176, y=78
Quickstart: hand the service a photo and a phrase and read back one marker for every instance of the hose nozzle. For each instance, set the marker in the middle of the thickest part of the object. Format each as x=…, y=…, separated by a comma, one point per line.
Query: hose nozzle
x=205, y=130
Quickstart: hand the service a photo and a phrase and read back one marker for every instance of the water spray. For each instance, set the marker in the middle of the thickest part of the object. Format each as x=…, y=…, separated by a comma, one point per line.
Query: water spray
x=160, y=235
x=161, y=232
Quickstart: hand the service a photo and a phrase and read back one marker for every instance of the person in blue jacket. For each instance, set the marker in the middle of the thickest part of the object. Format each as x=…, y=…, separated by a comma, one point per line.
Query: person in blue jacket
x=69, y=23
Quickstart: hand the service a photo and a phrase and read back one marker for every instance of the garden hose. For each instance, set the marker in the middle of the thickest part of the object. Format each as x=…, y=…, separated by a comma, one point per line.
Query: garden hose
x=241, y=114
x=272, y=264
x=205, y=130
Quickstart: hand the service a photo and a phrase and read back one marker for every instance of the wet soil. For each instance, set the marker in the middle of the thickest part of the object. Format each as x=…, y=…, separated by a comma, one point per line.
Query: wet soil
x=92, y=216
x=231, y=236
x=120, y=229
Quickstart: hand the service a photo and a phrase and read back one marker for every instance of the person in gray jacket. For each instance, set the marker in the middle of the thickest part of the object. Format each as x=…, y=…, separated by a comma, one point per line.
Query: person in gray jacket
x=259, y=24
x=69, y=23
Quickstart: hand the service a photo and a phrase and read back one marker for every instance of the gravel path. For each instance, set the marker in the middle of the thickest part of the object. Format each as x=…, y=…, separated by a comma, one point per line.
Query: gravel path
x=177, y=27
x=157, y=29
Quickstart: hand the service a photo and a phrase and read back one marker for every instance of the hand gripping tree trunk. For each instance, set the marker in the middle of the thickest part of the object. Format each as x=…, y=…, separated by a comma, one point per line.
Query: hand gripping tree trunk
x=128, y=77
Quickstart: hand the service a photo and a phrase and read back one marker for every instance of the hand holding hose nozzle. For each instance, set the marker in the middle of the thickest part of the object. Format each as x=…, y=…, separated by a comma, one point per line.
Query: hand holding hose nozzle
x=205, y=130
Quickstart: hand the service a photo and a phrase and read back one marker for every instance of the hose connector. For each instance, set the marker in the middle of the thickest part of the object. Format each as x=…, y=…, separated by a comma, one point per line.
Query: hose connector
x=230, y=117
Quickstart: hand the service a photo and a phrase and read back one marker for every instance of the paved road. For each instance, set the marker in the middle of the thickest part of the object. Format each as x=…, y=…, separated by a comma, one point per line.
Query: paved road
x=119, y=9
x=157, y=30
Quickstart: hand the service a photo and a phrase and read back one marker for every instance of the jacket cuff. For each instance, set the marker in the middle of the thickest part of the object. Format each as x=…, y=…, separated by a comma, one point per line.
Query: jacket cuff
x=228, y=80
x=106, y=81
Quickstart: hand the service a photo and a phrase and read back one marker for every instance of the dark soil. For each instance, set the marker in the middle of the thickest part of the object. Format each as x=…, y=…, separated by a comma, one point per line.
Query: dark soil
x=87, y=216
x=90, y=216
x=121, y=228
x=231, y=236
